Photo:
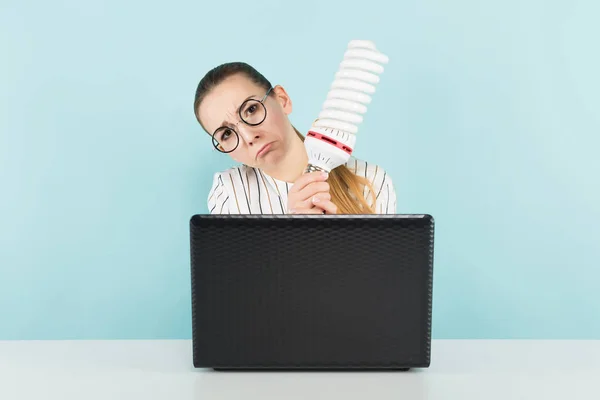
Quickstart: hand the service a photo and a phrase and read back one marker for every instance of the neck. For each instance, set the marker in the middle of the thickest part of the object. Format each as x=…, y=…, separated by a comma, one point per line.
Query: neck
x=292, y=166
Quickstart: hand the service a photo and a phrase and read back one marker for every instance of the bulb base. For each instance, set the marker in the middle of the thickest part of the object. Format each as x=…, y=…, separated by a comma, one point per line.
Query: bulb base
x=313, y=168
x=328, y=148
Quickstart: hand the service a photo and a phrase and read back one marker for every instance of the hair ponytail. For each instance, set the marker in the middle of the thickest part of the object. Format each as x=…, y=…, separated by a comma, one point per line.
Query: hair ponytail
x=347, y=188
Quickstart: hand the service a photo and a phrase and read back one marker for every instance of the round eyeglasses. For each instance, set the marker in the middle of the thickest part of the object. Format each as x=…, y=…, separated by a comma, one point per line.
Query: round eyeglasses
x=252, y=112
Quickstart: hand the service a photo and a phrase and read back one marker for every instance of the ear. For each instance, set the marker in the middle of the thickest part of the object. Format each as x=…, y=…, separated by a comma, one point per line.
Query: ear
x=283, y=99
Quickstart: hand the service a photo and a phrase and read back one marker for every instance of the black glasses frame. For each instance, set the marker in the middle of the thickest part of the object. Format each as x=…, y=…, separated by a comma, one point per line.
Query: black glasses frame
x=237, y=135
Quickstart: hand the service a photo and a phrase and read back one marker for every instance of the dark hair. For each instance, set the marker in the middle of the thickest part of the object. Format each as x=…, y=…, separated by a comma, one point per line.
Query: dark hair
x=221, y=72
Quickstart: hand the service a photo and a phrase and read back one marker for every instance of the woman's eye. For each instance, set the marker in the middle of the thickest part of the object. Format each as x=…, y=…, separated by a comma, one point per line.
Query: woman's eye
x=251, y=109
x=226, y=134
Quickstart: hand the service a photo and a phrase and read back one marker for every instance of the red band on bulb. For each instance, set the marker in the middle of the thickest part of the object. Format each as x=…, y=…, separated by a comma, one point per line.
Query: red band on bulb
x=331, y=141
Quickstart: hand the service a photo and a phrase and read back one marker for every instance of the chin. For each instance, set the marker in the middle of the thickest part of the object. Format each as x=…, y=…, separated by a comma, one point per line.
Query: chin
x=270, y=158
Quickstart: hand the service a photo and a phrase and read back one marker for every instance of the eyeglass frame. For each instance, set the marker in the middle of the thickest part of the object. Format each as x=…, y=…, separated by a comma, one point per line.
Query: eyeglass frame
x=239, y=111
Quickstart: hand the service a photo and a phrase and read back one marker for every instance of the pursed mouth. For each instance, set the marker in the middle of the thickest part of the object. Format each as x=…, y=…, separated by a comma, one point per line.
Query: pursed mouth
x=262, y=150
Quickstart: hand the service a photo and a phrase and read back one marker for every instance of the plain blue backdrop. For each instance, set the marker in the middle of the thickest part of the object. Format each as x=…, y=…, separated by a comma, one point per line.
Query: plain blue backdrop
x=486, y=117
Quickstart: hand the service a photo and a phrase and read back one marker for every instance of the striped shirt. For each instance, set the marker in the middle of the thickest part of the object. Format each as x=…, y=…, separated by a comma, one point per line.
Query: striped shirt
x=248, y=190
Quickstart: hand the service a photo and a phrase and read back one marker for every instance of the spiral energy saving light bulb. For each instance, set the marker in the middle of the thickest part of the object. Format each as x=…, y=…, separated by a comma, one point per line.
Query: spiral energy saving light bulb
x=331, y=138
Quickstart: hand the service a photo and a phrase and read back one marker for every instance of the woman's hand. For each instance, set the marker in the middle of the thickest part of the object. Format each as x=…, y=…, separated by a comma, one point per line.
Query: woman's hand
x=310, y=195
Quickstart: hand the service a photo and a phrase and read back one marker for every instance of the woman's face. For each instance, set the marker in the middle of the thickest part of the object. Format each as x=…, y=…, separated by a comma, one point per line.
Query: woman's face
x=264, y=144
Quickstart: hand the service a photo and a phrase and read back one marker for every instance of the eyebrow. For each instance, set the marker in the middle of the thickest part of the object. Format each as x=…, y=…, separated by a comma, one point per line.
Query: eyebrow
x=224, y=123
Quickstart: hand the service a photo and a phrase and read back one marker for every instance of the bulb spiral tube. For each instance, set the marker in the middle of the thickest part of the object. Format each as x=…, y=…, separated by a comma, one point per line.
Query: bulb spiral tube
x=331, y=138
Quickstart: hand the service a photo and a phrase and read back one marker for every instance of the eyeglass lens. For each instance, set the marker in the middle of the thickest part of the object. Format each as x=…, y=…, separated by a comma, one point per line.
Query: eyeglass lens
x=252, y=112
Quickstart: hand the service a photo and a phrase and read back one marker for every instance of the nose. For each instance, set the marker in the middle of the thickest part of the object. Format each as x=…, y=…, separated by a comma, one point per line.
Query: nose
x=247, y=134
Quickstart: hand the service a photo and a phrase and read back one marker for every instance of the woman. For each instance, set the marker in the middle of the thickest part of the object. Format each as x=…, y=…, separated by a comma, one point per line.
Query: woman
x=248, y=120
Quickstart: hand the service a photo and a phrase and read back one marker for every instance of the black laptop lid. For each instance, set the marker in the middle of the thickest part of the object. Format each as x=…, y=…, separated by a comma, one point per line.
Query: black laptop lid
x=311, y=291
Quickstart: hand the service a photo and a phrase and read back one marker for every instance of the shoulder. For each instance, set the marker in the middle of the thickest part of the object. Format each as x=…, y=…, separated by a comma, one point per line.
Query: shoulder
x=227, y=188
x=226, y=179
x=231, y=175
x=237, y=179
x=382, y=186
x=375, y=173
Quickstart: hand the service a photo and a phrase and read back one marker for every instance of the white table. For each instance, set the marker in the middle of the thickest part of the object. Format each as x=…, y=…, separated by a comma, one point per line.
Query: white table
x=150, y=370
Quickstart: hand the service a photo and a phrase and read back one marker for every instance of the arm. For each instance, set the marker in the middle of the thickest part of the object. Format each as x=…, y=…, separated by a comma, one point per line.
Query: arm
x=390, y=207
x=218, y=197
x=386, y=194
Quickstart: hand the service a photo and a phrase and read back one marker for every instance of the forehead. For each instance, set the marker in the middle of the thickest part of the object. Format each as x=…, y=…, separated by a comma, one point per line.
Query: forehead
x=222, y=102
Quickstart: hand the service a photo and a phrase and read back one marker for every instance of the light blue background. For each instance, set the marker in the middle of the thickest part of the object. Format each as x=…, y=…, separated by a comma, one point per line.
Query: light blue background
x=487, y=117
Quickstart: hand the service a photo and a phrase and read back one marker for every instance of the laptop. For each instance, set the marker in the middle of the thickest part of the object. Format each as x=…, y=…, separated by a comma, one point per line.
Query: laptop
x=281, y=292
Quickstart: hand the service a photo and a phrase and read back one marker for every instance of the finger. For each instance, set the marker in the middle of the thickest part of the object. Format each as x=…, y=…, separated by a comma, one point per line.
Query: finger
x=326, y=206
x=314, y=210
x=308, y=203
x=306, y=179
x=312, y=189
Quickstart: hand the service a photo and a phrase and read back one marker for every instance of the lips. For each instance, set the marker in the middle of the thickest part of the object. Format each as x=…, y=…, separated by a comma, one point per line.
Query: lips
x=263, y=150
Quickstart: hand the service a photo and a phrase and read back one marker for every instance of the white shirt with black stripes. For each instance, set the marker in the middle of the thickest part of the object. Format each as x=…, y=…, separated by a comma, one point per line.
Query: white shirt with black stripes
x=247, y=190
